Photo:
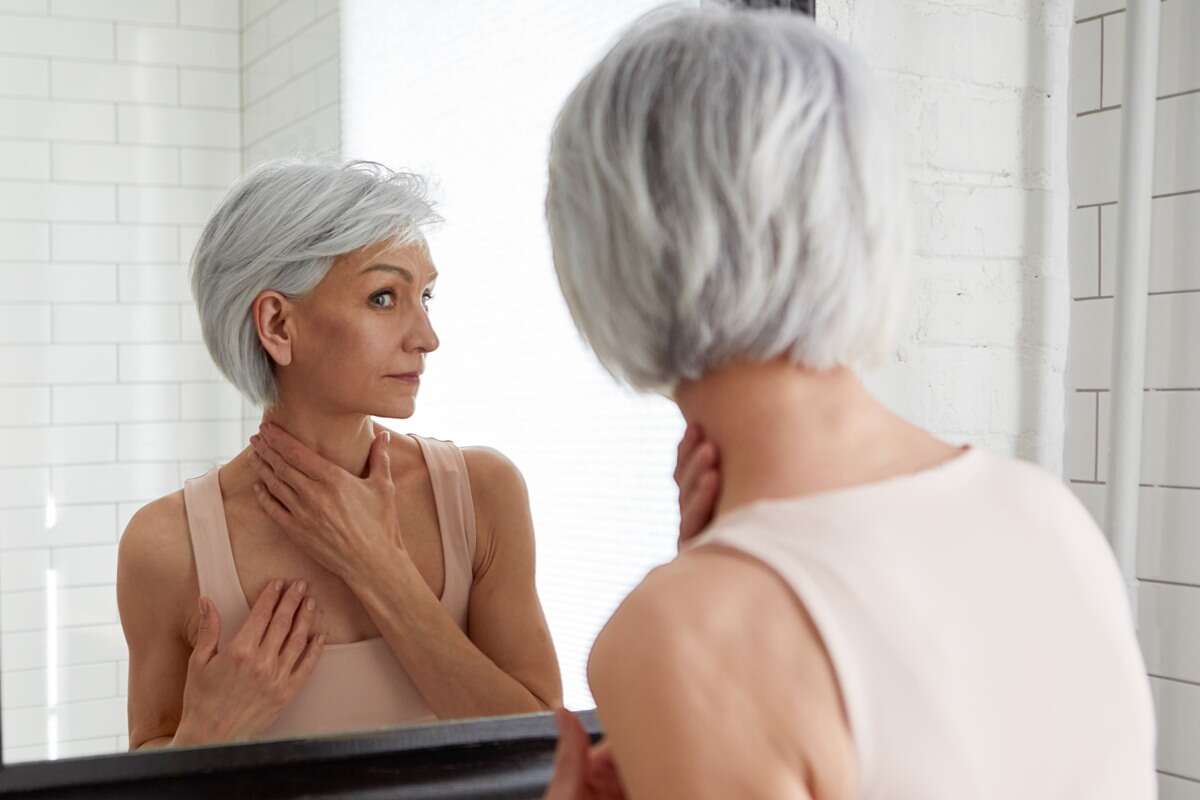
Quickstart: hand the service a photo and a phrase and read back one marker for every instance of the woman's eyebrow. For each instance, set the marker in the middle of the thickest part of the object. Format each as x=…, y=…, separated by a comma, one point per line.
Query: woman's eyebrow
x=401, y=271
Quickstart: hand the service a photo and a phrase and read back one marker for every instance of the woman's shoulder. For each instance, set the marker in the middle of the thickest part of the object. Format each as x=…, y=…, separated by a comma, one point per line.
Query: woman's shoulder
x=490, y=473
x=499, y=495
x=712, y=595
x=491, y=470
x=716, y=642
x=155, y=548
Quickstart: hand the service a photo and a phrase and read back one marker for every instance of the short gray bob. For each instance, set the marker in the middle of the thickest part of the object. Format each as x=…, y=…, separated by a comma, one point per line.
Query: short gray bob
x=280, y=227
x=722, y=187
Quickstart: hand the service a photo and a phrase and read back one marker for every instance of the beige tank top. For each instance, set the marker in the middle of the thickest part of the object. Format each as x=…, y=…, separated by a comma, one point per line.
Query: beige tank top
x=979, y=629
x=359, y=685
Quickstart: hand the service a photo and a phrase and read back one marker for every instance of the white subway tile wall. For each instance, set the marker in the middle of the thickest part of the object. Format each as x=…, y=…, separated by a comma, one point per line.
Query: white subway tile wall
x=121, y=127
x=987, y=346
x=291, y=106
x=290, y=92
x=1169, y=501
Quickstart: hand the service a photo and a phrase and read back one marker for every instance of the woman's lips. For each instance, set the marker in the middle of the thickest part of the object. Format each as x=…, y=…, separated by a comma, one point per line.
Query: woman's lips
x=408, y=377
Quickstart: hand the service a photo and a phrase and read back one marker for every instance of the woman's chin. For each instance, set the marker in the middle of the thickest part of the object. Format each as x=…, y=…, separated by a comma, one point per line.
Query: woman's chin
x=397, y=409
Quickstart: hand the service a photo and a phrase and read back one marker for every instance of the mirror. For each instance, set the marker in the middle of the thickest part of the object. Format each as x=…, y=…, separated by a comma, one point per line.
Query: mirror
x=128, y=457
x=134, y=123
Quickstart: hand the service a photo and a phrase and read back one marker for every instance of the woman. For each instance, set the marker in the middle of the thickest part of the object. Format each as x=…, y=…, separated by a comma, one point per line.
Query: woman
x=873, y=613
x=313, y=284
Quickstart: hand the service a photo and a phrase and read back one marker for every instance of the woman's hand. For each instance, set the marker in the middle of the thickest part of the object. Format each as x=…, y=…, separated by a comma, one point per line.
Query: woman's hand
x=582, y=771
x=237, y=693
x=699, y=480
x=345, y=522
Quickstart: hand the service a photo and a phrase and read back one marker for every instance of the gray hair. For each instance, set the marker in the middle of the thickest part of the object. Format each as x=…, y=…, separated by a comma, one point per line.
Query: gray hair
x=722, y=187
x=280, y=227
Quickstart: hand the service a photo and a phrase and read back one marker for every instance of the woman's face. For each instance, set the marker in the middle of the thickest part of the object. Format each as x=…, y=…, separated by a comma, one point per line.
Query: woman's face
x=358, y=340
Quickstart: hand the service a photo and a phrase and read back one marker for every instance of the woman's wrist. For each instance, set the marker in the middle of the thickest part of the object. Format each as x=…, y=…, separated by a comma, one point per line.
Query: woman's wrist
x=376, y=564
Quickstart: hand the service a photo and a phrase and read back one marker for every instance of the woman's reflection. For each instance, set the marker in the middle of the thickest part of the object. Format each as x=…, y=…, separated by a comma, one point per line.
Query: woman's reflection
x=246, y=617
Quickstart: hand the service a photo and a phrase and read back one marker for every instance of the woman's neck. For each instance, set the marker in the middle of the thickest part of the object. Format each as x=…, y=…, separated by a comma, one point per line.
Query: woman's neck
x=784, y=431
x=344, y=439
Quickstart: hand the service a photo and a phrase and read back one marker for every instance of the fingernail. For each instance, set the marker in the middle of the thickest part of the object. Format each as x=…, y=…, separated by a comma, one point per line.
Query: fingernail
x=277, y=585
x=203, y=608
x=301, y=587
x=310, y=604
x=387, y=437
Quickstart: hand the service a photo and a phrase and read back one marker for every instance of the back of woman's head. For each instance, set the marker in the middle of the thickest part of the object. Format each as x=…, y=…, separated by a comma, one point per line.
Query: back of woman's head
x=722, y=187
x=280, y=227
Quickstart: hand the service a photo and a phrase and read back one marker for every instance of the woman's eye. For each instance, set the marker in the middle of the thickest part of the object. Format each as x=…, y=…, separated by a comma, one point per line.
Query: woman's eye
x=426, y=298
x=383, y=300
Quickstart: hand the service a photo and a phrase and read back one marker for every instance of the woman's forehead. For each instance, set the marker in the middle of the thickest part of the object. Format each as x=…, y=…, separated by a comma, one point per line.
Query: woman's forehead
x=412, y=256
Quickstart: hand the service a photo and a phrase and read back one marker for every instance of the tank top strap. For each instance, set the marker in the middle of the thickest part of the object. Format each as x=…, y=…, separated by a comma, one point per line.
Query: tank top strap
x=456, y=520
x=215, y=567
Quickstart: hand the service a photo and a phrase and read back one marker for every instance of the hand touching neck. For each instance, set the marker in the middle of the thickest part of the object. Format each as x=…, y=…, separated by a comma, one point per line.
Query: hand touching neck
x=344, y=439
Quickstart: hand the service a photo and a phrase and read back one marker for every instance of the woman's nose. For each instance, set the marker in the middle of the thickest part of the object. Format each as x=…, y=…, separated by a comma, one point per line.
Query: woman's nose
x=425, y=339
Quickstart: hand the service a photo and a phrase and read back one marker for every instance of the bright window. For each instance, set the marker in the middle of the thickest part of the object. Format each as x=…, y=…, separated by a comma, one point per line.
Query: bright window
x=466, y=93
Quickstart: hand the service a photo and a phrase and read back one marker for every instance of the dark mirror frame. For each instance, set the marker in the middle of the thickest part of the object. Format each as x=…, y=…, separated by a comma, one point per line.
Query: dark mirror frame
x=496, y=757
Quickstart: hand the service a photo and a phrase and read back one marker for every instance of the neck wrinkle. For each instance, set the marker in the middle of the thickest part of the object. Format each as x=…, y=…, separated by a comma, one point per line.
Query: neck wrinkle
x=344, y=439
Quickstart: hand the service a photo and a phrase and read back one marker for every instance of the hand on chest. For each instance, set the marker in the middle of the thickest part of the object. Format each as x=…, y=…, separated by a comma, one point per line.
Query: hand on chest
x=262, y=552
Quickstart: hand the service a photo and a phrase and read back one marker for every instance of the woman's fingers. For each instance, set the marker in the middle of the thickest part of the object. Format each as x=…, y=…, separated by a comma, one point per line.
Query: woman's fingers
x=280, y=490
x=699, y=479
x=208, y=634
x=297, y=455
x=702, y=459
x=252, y=630
x=691, y=437
x=271, y=460
x=274, y=509
x=570, y=759
x=281, y=620
x=297, y=638
x=603, y=781
x=312, y=653
x=696, y=509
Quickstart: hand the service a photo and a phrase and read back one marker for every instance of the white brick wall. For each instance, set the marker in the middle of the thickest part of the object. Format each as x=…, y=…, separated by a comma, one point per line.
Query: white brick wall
x=1168, y=557
x=290, y=79
x=291, y=95
x=120, y=127
x=979, y=94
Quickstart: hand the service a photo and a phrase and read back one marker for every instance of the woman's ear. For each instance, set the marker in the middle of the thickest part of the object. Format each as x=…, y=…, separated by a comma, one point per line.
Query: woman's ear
x=273, y=321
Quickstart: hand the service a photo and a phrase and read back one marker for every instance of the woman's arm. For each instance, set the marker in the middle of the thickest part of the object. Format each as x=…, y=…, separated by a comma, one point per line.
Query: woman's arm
x=507, y=665
x=511, y=667
x=153, y=568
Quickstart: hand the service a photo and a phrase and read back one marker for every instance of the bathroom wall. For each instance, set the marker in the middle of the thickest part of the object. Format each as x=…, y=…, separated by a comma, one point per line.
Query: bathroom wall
x=978, y=94
x=121, y=126
x=290, y=78
x=291, y=92
x=1168, y=554
x=119, y=130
